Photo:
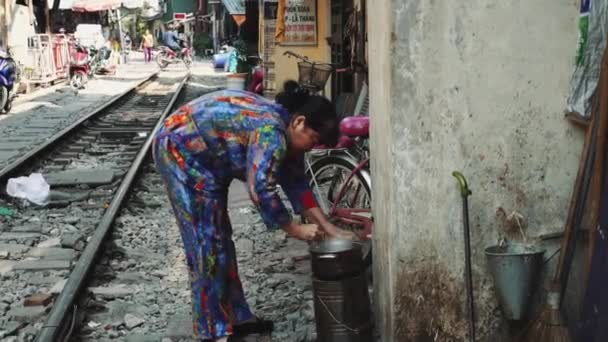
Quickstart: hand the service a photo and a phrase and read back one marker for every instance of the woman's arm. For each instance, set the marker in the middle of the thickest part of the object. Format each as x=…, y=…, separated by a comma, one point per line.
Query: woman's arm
x=318, y=217
x=266, y=151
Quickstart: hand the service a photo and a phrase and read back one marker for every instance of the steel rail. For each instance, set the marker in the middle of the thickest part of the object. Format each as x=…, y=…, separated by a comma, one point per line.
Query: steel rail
x=66, y=299
x=14, y=165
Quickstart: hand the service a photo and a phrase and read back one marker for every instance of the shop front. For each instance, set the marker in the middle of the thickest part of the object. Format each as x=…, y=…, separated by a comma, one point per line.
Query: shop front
x=303, y=31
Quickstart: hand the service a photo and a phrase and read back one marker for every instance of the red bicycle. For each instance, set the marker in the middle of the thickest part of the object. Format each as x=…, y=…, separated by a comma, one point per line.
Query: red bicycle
x=340, y=176
x=341, y=180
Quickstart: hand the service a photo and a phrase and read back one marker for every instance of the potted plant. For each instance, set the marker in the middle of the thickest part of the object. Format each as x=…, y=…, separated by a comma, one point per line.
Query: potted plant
x=239, y=66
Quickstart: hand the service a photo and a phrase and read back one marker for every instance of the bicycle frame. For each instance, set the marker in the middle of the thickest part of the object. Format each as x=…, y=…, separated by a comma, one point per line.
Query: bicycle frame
x=353, y=216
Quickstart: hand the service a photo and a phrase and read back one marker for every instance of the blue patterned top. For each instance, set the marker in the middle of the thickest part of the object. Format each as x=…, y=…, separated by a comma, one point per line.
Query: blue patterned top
x=236, y=134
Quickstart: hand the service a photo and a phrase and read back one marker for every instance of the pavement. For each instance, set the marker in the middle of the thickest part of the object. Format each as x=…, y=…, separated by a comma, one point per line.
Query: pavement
x=37, y=116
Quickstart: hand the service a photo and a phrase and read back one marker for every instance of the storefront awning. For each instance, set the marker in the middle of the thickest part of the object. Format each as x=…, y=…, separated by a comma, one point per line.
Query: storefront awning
x=63, y=4
x=236, y=8
x=133, y=3
x=99, y=5
x=95, y=5
x=91, y=5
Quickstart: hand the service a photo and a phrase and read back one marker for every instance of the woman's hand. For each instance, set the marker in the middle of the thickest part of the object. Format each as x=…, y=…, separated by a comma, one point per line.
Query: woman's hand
x=339, y=233
x=304, y=232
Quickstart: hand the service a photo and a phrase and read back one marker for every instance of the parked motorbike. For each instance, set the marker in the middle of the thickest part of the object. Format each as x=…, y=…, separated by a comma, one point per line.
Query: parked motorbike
x=256, y=79
x=9, y=77
x=166, y=56
x=103, y=65
x=80, y=66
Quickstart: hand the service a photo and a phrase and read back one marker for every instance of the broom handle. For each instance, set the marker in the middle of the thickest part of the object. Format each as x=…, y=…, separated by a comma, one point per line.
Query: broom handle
x=594, y=140
x=598, y=166
x=574, y=202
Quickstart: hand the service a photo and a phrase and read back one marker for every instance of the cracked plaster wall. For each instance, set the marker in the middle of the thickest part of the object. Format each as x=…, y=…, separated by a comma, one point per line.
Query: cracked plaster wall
x=477, y=86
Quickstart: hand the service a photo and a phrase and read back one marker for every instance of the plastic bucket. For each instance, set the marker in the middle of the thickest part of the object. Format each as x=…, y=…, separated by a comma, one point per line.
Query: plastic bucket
x=236, y=81
x=219, y=60
x=514, y=268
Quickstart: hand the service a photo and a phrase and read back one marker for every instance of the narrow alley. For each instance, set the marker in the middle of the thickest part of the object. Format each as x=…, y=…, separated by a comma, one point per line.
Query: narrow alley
x=203, y=170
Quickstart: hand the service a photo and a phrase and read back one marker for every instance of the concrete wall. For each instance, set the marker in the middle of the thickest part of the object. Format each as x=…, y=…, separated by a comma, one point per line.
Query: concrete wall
x=19, y=29
x=477, y=86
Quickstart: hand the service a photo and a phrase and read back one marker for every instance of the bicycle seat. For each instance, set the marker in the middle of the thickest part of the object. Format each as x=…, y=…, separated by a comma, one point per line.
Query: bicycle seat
x=355, y=126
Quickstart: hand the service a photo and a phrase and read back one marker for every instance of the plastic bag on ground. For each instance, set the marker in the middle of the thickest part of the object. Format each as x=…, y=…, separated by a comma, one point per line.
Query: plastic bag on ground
x=33, y=188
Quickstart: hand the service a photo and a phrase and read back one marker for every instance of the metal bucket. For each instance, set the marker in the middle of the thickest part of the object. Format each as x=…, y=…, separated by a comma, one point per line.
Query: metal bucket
x=342, y=310
x=336, y=259
x=515, y=268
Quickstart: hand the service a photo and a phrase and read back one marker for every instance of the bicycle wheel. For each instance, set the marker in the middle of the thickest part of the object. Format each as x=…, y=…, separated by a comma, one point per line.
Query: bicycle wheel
x=329, y=175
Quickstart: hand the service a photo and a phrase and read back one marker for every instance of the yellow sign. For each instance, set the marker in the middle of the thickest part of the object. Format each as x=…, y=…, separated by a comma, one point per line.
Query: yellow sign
x=300, y=23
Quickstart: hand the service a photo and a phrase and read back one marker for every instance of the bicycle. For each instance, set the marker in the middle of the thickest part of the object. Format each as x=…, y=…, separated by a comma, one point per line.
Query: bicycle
x=340, y=176
x=341, y=179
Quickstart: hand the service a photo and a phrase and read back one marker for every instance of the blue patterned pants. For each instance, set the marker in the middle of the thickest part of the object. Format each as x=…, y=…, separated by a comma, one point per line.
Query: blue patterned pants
x=218, y=301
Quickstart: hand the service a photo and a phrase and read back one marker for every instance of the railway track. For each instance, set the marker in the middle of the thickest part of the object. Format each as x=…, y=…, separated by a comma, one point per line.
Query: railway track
x=47, y=253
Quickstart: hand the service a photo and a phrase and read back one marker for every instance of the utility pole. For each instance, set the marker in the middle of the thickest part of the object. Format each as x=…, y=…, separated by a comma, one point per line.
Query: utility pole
x=122, y=38
x=3, y=26
x=30, y=7
x=215, y=4
x=47, y=16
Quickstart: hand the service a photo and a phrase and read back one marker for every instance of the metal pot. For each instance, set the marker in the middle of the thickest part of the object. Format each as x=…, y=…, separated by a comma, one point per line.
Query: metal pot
x=336, y=259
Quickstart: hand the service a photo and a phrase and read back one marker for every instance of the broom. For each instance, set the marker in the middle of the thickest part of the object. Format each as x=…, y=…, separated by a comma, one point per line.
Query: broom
x=550, y=326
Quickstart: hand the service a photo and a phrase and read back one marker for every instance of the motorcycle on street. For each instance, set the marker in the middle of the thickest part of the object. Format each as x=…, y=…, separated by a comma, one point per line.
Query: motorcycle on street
x=80, y=66
x=87, y=62
x=9, y=78
x=166, y=56
x=256, y=78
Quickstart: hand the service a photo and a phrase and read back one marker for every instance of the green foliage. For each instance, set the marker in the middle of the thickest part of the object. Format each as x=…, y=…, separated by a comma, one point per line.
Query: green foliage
x=243, y=65
x=140, y=25
x=201, y=42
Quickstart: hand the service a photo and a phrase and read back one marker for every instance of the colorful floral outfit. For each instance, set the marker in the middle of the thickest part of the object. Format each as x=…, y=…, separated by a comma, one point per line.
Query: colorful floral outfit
x=199, y=150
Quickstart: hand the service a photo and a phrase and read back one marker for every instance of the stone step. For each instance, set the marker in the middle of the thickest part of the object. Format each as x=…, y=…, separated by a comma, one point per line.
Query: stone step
x=52, y=253
x=41, y=265
x=13, y=250
x=76, y=177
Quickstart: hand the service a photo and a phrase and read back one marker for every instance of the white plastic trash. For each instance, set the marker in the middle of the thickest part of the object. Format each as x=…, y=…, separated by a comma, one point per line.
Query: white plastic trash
x=33, y=188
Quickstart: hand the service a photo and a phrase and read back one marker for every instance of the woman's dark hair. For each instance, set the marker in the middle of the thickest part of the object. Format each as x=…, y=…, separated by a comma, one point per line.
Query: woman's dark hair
x=319, y=112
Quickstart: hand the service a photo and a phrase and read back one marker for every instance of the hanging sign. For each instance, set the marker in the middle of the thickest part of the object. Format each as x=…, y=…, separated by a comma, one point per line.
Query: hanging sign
x=300, y=23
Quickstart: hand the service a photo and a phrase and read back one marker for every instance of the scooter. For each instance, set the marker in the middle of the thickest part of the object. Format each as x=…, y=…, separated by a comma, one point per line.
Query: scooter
x=256, y=80
x=103, y=66
x=80, y=66
x=9, y=76
x=166, y=56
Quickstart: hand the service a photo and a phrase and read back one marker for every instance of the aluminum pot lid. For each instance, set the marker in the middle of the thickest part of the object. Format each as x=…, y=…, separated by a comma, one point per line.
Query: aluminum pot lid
x=333, y=246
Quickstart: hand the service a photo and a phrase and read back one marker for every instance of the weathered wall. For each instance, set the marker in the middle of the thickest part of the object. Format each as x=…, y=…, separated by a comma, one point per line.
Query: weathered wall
x=19, y=29
x=477, y=86
x=286, y=68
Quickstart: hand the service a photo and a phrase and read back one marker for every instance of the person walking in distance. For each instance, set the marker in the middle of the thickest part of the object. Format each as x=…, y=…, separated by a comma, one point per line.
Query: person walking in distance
x=147, y=42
